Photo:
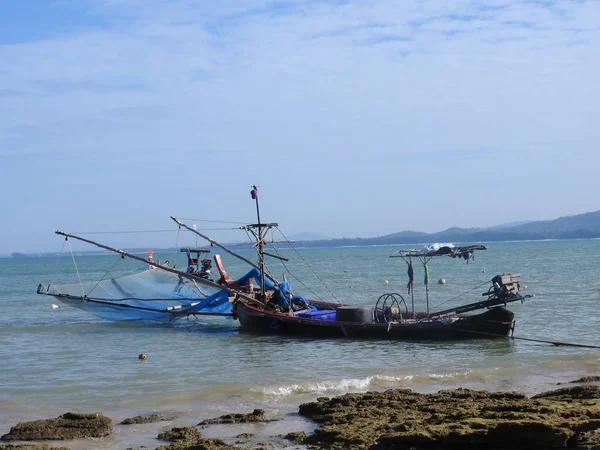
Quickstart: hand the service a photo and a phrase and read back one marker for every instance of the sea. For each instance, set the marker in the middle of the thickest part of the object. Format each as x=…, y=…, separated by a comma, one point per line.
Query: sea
x=56, y=359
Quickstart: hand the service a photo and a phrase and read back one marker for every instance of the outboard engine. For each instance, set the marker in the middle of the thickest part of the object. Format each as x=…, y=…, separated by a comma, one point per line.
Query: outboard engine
x=506, y=285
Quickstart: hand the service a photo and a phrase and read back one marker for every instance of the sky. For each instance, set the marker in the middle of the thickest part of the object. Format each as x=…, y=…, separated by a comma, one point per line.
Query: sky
x=354, y=118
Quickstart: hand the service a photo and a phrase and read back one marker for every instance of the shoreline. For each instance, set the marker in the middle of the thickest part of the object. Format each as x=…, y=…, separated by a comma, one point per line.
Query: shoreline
x=570, y=413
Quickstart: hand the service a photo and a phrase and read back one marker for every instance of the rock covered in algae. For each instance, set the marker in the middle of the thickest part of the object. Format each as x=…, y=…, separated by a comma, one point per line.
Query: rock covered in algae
x=457, y=419
x=67, y=426
x=258, y=415
x=586, y=379
x=30, y=447
x=297, y=437
x=152, y=418
x=189, y=438
x=569, y=394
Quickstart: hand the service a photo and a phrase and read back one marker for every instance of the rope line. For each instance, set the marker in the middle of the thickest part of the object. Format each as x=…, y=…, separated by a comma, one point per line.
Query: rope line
x=308, y=265
x=308, y=288
x=556, y=343
x=460, y=295
x=76, y=268
x=57, y=262
x=542, y=341
x=104, y=276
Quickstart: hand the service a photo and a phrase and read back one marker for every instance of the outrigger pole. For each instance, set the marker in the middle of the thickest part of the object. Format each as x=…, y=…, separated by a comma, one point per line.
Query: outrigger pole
x=189, y=276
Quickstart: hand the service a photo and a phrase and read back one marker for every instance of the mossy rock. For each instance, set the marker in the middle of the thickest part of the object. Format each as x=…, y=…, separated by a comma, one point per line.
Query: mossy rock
x=67, y=426
x=297, y=437
x=153, y=418
x=189, y=438
x=586, y=379
x=455, y=419
x=258, y=415
x=30, y=447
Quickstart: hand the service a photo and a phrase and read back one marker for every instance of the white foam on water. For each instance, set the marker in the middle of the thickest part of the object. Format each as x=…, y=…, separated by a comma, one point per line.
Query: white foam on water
x=337, y=386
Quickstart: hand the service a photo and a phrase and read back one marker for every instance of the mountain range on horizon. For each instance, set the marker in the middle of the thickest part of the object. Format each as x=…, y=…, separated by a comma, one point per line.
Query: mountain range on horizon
x=580, y=226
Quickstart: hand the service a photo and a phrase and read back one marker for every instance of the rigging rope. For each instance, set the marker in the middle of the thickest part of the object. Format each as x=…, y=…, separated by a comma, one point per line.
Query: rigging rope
x=76, y=269
x=103, y=276
x=557, y=343
x=460, y=295
x=54, y=272
x=307, y=264
x=542, y=341
x=295, y=277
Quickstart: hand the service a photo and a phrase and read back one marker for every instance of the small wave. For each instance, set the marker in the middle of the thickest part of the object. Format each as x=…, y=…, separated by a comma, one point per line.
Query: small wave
x=337, y=386
x=450, y=376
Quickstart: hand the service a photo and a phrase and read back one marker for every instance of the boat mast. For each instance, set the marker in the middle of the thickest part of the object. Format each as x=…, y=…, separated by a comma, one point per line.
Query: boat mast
x=261, y=247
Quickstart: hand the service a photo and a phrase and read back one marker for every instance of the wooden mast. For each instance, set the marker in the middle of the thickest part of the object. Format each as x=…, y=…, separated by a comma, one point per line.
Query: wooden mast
x=261, y=248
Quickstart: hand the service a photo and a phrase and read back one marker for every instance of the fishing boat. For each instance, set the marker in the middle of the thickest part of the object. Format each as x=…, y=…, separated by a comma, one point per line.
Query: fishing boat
x=272, y=307
x=262, y=304
x=389, y=318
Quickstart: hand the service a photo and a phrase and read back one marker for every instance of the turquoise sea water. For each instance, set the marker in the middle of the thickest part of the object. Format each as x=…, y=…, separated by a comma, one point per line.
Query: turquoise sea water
x=59, y=360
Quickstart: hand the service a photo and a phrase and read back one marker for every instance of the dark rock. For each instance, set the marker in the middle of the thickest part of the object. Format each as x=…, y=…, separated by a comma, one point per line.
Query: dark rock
x=181, y=434
x=258, y=415
x=572, y=393
x=296, y=437
x=589, y=440
x=189, y=438
x=587, y=379
x=245, y=436
x=67, y=426
x=153, y=418
x=456, y=419
x=30, y=447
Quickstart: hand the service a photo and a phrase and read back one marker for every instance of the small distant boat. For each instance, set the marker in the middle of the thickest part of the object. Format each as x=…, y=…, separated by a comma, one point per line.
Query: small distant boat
x=263, y=304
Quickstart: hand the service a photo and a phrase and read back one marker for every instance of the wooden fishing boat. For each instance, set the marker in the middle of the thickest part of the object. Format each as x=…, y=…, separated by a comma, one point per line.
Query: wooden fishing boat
x=358, y=322
x=388, y=319
x=279, y=311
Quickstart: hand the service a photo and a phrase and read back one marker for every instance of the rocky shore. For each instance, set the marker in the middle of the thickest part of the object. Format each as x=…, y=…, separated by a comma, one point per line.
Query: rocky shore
x=565, y=418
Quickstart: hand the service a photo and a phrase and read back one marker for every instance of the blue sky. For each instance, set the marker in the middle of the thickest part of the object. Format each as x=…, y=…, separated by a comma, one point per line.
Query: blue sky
x=355, y=118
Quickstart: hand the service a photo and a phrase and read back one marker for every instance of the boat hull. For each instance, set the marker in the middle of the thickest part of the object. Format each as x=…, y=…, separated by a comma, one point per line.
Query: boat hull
x=493, y=323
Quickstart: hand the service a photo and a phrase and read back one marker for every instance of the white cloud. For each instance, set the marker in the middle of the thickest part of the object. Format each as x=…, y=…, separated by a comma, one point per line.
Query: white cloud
x=317, y=97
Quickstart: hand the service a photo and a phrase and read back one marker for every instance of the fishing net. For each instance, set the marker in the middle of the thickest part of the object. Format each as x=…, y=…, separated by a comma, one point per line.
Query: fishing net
x=150, y=295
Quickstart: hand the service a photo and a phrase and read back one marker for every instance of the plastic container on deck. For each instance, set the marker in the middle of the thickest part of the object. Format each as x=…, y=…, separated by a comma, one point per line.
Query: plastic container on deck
x=324, y=314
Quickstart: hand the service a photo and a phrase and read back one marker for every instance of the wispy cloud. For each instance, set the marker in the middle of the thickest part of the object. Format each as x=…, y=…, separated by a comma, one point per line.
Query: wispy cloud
x=331, y=94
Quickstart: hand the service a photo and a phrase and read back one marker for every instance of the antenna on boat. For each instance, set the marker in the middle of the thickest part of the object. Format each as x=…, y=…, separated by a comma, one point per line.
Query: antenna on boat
x=261, y=247
x=259, y=230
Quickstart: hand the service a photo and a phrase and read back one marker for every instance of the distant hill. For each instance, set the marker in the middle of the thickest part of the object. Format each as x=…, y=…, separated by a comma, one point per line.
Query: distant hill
x=308, y=236
x=581, y=226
